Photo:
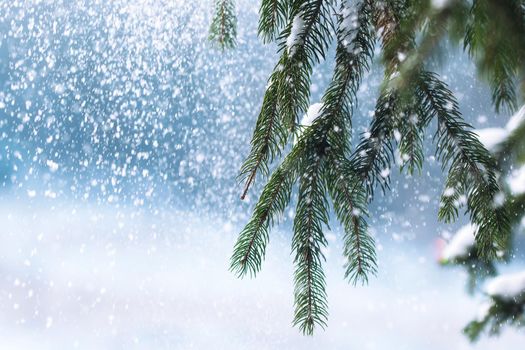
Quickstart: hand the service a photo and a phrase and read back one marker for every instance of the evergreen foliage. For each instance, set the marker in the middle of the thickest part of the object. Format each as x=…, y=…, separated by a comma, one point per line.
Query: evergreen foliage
x=273, y=15
x=471, y=169
x=495, y=37
x=223, y=27
x=322, y=161
x=510, y=155
x=500, y=313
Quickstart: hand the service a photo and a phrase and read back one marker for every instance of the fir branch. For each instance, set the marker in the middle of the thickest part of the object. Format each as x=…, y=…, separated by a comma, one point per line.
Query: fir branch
x=311, y=308
x=302, y=44
x=355, y=50
x=294, y=89
x=373, y=156
x=495, y=37
x=268, y=138
x=433, y=23
x=319, y=159
x=471, y=168
x=353, y=56
x=371, y=160
x=411, y=141
x=396, y=39
x=223, y=27
x=503, y=89
x=251, y=244
x=318, y=138
x=500, y=313
x=350, y=205
x=272, y=17
x=288, y=92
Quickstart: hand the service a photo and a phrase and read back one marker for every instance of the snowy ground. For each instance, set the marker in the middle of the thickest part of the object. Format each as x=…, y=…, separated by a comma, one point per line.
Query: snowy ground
x=107, y=278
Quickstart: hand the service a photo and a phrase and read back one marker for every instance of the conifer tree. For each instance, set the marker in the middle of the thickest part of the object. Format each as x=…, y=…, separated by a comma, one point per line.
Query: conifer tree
x=323, y=165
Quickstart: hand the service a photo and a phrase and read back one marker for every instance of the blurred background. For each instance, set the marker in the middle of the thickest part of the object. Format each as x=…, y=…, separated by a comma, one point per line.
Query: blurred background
x=121, y=133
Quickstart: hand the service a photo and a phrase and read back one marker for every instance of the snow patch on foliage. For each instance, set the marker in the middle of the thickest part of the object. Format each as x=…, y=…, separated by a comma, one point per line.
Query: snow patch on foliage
x=461, y=244
x=349, y=25
x=492, y=137
x=440, y=4
x=508, y=286
x=483, y=311
x=516, y=120
x=516, y=181
x=295, y=38
x=314, y=111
